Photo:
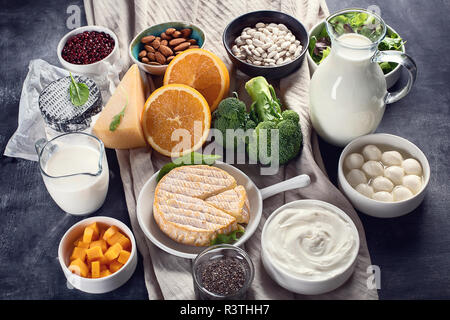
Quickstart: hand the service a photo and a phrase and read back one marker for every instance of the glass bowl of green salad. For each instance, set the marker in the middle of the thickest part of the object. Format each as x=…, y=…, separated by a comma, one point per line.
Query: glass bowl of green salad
x=320, y=46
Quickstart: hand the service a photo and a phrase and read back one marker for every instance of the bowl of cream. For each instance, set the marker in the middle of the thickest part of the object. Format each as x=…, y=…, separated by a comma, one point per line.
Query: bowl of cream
x=309, y=246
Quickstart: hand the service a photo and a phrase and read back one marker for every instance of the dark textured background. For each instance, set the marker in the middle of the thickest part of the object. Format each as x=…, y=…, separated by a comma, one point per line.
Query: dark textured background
x=413, y=251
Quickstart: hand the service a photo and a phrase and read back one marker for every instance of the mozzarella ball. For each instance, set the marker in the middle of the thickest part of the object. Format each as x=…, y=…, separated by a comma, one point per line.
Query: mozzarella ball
x=373, y=168
x=412, y=166
x=354, y=161
x=401, y=193
x=355, y=177
x=365, y=190
x=383, y=196
x=392, y=158
x=371, y=152
x=413, y=183
x=395, y=174
x=382, y=184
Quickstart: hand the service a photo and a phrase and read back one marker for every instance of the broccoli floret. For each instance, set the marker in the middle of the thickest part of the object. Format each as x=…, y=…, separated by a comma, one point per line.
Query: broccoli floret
x=290, y=139
x=290, y=115
x=230, y=114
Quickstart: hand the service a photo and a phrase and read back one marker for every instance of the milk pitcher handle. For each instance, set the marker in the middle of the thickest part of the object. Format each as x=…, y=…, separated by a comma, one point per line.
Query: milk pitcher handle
x=404, y=60
x=39, y=145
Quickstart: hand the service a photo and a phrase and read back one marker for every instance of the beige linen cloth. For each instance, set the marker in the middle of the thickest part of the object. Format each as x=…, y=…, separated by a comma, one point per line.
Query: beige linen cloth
x=167, y=276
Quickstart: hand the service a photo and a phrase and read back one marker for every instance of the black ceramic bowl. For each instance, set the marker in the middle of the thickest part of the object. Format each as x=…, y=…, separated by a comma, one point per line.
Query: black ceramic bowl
x=235, y=27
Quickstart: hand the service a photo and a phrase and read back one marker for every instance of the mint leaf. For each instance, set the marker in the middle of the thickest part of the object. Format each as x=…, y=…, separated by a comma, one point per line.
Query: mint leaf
x=79, y=92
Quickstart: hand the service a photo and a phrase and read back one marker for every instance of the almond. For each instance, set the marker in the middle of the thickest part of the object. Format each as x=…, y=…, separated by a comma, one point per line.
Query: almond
x=149, y=48
x=194, y=46
x=170, y=59
x=151, y=56
x=160, y=58
x=176, y=34
x=145, y=60
x=186, y=32
x=142, y=54
x=175, y=42
x=164, y=42
x=181, y=47
x=166, y=51
x=169, y=31
x=156, y=43
x=192, y=41
x=148, y=39
x=165, y=36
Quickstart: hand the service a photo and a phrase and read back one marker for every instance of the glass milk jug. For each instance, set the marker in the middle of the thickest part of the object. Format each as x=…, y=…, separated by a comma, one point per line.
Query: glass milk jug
x=348, y=90
x=75, y=171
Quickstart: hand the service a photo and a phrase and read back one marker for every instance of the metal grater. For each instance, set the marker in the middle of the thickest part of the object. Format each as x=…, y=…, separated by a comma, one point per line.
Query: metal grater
x=58, y=111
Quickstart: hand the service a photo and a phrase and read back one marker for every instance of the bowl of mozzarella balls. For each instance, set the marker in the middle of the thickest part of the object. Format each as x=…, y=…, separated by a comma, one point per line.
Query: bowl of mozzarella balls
x=266, y=43
x=383, y=175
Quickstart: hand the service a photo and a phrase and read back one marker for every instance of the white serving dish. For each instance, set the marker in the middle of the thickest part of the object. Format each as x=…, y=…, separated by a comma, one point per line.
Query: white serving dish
x=377, y=208
x=95, y=68
x=300, y=285
x=100, y=285
x=255, y=196
x=391, y=77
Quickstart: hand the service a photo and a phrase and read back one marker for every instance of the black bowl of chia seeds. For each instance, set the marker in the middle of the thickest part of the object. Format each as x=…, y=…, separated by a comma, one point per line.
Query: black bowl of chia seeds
x=222, y=272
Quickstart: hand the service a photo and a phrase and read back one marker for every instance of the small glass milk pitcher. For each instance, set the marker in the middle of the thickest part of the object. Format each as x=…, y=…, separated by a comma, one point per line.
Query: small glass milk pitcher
x=75, y=171
x=348, y=91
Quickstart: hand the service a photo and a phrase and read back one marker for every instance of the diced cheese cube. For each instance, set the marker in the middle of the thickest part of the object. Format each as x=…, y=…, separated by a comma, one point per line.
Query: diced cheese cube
x=95, y=269
x=109, y=232
x=123, y=256
x=114, y=266
x=79, y=267
x=88, y=235
x=96, y=229
x=105, y=273
x=99, y=243
x=94, y=253
x=78, y=253
x=113, y=251
x=119, y=238
x=82, y=244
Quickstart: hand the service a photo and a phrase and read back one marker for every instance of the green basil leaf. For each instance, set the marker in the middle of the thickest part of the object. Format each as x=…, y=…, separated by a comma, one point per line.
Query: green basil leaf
x=116, y=120
x=227, y=238
x=79, y=92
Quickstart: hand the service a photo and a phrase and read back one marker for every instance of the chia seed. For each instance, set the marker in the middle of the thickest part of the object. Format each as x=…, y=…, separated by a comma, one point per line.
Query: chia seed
x=223, y=276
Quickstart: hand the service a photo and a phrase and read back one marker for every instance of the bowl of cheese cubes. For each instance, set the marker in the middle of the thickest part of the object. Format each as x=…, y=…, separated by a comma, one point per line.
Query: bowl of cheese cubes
x=98, y=254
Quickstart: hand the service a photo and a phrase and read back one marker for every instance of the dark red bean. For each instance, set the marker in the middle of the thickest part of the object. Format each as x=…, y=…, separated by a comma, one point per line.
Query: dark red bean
x=88, y=47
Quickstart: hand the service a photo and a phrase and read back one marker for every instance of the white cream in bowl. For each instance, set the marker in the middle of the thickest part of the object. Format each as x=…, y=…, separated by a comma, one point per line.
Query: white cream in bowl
x=311, y=243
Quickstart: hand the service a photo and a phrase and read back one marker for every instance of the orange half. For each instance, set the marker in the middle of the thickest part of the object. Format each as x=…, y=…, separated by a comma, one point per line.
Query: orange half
x=201, y=70
x=176, y=120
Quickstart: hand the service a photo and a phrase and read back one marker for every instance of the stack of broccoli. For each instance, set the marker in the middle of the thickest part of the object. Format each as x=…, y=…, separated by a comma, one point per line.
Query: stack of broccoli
x=265, y=113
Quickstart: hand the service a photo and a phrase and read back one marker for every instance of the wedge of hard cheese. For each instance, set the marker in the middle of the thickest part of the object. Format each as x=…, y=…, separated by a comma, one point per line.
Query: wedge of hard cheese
x=129, y=97
x=233, y=202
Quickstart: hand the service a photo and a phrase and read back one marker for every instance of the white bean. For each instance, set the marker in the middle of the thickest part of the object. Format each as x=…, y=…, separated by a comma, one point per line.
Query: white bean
x=258, y=43
x=292, y=48
x=260, y=25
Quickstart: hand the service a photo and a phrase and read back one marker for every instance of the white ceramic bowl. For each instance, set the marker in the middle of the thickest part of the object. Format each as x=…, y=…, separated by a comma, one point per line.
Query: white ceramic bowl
x=300, y=285
x=100, y=285
x=377, y=208
x=391, y=77
x=163, y=241
x=92, y=68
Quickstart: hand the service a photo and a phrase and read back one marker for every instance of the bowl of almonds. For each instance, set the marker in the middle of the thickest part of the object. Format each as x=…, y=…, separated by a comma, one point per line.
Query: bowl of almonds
x=153, y=48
